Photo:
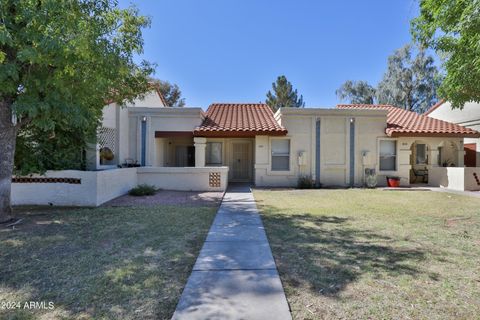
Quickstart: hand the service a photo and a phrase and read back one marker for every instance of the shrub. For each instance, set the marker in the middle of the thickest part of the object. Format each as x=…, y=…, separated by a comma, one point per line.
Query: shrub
x=143, y=190
x=305, y=182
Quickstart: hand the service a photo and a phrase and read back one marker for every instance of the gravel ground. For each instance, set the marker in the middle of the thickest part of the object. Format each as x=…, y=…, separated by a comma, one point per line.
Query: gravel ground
x=164, y=197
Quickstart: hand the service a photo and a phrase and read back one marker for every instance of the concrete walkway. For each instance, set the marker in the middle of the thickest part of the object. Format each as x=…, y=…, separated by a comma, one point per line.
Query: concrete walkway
x=235, y=276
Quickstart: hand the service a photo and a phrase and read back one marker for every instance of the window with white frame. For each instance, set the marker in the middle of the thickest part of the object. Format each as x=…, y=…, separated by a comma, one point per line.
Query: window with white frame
x=213, y=153
x=280, y=155
x=421, y=152
x=388, y=155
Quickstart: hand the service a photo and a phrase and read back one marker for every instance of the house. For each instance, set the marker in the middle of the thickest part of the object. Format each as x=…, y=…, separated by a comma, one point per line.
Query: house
x=332, y=146
x=192, y=149
x=468, y=116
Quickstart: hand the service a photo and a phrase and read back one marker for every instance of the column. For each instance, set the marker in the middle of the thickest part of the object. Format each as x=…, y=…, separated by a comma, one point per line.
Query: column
x=200, y=144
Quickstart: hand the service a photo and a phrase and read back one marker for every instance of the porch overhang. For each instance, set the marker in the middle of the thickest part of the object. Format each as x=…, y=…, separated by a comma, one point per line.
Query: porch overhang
x=170, y=134
x=237, y=134
x=434, y=135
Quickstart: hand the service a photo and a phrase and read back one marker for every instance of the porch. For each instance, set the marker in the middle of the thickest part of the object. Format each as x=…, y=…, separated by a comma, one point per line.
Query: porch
x=183, y=150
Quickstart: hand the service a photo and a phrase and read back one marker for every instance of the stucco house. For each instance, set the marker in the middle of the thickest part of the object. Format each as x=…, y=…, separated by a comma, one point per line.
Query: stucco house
x=192, y=149
x=333, y=146
x=468, y=116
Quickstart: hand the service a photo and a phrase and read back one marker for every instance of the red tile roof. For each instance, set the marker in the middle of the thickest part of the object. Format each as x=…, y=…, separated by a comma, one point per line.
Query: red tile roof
x=401, y=122
x=239, y=120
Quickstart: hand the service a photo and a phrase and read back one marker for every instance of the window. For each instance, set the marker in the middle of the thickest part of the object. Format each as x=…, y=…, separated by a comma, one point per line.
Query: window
x=388, y=155
x=214, y=153
x=421, y=151
x=280, y=155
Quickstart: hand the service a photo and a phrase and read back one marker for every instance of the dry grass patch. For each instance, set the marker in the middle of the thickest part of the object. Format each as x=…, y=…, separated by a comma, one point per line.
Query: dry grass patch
x=103, y=263
x=372, y=254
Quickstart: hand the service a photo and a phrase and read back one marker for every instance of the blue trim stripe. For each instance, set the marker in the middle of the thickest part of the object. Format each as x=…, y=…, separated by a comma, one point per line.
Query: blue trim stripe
x=317, y=153
x=144, y=143
x=352, y=152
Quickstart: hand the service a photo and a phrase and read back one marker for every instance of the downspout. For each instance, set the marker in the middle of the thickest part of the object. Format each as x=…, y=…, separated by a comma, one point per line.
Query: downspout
x=317, y=153
x=352, y=152
x=143, y=154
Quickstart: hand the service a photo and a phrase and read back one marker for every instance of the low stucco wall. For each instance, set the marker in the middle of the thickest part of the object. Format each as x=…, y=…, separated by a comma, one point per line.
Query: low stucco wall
x=183, y=178
x=96, y=187
x=454, y=178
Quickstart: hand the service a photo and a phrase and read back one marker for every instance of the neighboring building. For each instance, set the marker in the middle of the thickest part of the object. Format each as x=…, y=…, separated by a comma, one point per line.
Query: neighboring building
x=468, y=116
x=332, y=146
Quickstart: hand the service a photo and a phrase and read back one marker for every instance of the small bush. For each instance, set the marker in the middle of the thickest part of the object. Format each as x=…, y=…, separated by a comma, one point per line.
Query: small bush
x=143, y=190
x=305, y=182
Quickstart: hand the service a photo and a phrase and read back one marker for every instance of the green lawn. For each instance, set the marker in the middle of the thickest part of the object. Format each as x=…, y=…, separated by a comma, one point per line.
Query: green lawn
x=373, y=254
x=103, y=263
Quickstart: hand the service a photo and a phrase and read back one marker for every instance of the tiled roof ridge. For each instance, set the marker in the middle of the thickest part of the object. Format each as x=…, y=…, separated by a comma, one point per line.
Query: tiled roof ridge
x=406, y=121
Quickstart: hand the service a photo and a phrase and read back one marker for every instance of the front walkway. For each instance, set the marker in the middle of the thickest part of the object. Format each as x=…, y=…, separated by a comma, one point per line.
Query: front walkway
x=235, y=276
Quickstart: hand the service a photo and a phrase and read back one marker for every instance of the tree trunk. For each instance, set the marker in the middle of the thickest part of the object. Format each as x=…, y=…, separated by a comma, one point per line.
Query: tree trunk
x=8, y=135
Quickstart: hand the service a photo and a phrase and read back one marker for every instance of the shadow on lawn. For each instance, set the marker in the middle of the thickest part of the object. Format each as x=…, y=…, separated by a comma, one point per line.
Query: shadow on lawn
x=102, y=262
x=326, y=253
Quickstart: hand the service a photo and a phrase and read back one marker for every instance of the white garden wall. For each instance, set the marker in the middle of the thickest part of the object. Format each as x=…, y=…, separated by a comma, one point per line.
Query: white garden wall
x=96, y=187
x=461, y=179
x=183, y=178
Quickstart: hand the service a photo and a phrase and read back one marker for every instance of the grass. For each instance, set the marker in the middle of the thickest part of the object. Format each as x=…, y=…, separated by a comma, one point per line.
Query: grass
x=102, y=263
x=373, y=254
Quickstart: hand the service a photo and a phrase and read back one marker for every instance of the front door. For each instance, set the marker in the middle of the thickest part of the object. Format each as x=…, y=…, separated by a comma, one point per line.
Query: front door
x=470, y=154
x=241, y=161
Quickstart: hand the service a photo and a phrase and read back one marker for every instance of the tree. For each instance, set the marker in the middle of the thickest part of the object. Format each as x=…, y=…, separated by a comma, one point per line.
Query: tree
x=357, y=92
x=283, y=95
x=59, y=62
x=171, y=93
x=452, y=28
x=410, y=82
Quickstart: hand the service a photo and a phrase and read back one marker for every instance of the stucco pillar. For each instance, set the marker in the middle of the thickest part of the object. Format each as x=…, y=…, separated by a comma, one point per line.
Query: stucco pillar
x=200, y=144
x=461, y=157
x=404, y=165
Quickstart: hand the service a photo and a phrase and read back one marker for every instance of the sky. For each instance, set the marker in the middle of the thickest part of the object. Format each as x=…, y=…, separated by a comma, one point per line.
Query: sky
x=232, y=50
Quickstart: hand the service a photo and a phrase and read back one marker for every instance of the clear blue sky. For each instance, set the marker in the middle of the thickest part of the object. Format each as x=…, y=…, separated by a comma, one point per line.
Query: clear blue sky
x=232, y=50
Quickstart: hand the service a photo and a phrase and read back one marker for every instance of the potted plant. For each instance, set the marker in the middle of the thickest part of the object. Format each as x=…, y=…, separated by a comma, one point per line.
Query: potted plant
x=393, y=181
x=106, y=154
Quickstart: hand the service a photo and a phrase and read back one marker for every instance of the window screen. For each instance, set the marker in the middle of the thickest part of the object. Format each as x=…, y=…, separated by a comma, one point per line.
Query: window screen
x=281, y=155
x=214, y=153
x=388, y=155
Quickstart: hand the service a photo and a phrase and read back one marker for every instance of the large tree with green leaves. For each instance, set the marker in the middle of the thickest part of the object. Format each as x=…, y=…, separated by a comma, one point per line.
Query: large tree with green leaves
x=60, y=60
x=452, y=28
x=283, y=95
x=410, y=82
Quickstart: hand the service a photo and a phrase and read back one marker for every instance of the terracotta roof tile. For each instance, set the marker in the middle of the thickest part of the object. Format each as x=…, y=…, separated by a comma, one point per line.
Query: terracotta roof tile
x=239, y=119
x=401, y=122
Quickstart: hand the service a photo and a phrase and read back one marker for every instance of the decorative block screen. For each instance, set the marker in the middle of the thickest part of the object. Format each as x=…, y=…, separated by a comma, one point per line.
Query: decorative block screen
x=107, y=138
x=214, y=179
x=46, y=180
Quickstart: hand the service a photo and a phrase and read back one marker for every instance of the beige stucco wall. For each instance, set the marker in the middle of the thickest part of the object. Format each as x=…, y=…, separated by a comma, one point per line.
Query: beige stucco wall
x=164, y=119
x=96, y=188
x=182, y=178
x=334, y=146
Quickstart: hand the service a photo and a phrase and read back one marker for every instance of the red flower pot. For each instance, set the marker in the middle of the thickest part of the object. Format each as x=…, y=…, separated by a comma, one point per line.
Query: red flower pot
x=393, y=182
